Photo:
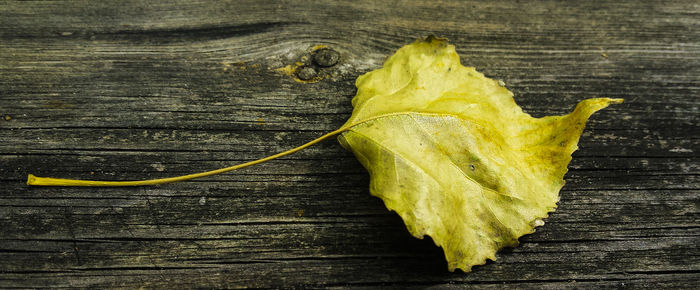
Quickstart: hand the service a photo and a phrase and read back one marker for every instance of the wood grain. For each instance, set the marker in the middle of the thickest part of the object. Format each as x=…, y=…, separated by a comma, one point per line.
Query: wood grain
x=146, y=89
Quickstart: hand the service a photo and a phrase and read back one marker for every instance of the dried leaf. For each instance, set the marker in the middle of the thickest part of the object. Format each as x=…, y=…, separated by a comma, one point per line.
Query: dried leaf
x=451, y=152
x=447, y=149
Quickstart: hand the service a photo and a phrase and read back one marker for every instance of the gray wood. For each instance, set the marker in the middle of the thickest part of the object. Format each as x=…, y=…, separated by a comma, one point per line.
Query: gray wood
x=145, y=89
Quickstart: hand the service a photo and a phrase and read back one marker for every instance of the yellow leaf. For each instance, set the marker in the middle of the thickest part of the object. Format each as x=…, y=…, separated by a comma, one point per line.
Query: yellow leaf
x=451, y=152
x=448, y=149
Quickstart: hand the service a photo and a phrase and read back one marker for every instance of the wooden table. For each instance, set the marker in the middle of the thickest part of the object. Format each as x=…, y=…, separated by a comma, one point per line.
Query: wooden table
x=124, y=90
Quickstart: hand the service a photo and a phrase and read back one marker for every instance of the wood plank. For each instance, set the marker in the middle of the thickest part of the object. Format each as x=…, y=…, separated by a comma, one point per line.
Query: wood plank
x=148, y=89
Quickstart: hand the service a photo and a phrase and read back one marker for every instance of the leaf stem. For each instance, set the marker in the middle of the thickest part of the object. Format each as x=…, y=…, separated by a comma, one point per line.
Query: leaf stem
x=48, y=181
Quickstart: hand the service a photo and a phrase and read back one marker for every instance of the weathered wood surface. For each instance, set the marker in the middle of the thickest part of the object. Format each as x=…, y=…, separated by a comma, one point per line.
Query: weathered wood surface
x=145, y=89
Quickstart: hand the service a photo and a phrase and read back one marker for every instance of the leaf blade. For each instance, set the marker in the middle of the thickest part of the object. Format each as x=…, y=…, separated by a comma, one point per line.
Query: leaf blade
x=455, y=156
